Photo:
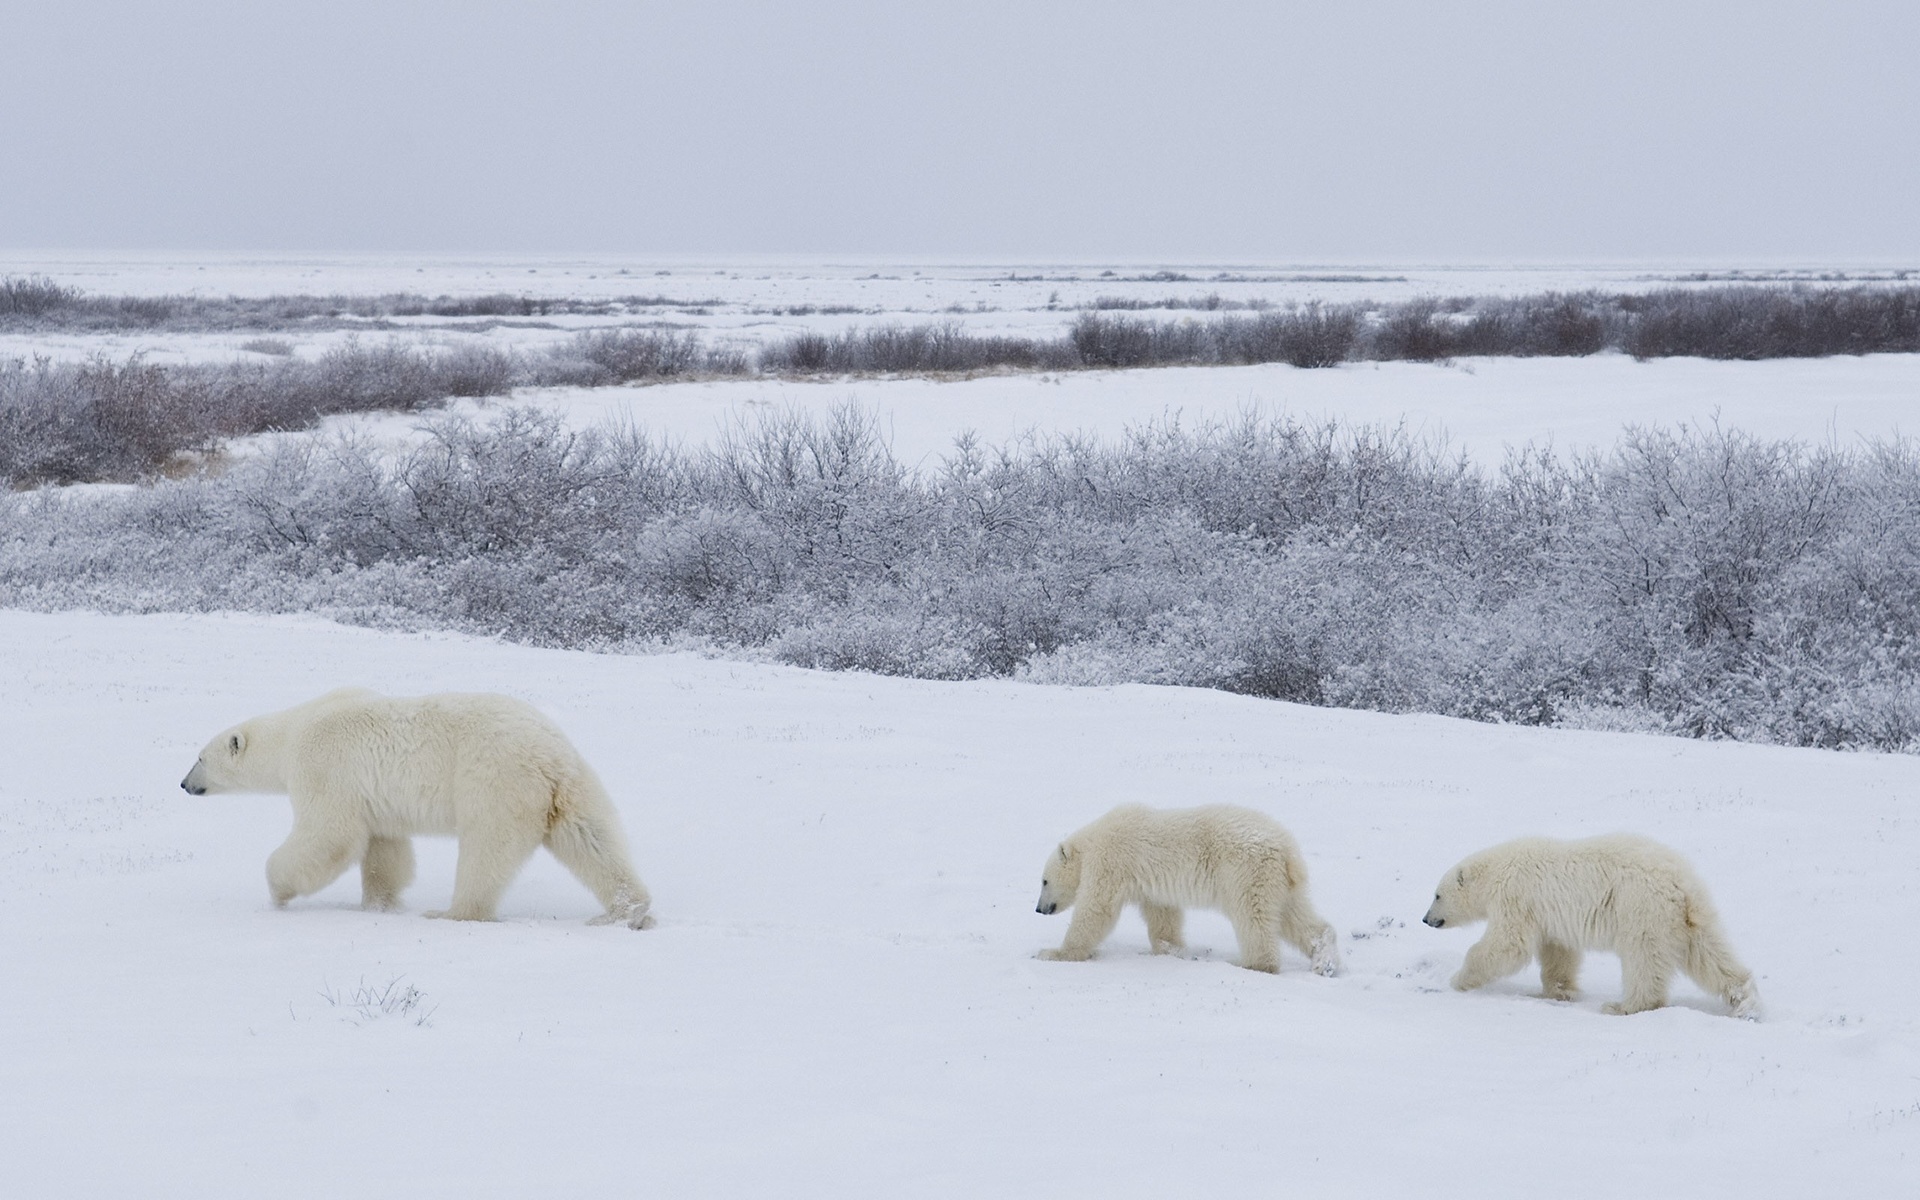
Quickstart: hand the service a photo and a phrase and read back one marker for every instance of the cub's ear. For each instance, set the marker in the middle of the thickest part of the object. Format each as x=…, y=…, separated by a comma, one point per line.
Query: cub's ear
x=1066, y=852
x=236, y=743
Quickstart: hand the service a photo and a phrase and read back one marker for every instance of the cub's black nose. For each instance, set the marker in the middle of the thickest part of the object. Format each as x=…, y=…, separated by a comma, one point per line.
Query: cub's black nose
x=1436, y=922
x=190, y=790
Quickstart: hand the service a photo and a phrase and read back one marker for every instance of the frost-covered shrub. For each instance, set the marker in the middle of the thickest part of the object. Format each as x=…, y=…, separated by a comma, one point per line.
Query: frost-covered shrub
x=1701, y=582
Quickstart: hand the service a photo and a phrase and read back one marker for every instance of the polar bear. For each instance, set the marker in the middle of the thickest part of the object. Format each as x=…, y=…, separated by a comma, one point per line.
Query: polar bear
x=1549, y=899
x=366, y=772
x=1219, y=856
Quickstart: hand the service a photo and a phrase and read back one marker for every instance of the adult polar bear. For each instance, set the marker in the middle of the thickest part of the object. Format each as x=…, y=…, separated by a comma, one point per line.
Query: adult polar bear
x=1218, y=856
x=366, y=772
x=1551, y=899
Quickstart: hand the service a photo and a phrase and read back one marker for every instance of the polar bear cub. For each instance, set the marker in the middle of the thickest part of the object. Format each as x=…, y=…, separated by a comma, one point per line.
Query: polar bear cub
x=1236, y=860
x=1549, y=899
x=366, y=772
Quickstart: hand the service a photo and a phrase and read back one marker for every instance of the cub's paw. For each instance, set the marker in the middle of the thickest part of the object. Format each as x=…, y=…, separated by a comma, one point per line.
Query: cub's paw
x=447, y=914
x=1745, y=1001
x=1326, y=955
x=632, y=920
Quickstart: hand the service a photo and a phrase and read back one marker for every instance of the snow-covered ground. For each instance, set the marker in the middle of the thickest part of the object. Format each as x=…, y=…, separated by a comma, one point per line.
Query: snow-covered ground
x=1481, y=405
x=842, y=998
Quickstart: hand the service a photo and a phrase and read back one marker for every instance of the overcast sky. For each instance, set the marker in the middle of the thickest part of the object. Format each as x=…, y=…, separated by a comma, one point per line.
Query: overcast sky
x=1231, y=132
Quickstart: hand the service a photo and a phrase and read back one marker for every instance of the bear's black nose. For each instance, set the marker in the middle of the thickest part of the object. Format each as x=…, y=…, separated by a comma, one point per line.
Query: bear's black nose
x=1436, y=922
x=191, y=790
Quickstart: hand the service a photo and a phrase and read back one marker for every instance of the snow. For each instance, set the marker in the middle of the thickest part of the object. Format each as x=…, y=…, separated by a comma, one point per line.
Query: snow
x=1479, y=405
x=842, y=998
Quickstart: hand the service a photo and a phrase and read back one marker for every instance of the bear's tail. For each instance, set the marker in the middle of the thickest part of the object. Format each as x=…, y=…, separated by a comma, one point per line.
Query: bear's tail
x=1711, y=963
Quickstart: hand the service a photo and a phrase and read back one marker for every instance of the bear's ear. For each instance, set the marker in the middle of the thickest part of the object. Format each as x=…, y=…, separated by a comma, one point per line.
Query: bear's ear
x=1066, y=852
x=1460, y=877
x=236, y=743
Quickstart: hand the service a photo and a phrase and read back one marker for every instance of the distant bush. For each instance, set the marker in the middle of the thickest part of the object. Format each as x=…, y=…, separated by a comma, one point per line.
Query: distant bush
x=1701, y=582
x=35, y=303
x=102, y=421
x=1742, y=323
x=34, y=296
x=897, y=349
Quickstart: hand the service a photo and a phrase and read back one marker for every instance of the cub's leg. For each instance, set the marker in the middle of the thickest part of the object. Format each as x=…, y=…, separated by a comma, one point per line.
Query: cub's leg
x=1500, y=952
x=1259, y=937
x=1559, y=971
x=489, y=859
x=1096, y=910
x=1645, y=971
x=385, y=872
x=1302, y=928
x=313, y=856
x=1711, y=964
x=1164, y=922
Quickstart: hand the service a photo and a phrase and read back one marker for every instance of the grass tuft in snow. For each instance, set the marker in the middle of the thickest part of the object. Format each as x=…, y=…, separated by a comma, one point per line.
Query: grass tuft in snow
x=365, y=1004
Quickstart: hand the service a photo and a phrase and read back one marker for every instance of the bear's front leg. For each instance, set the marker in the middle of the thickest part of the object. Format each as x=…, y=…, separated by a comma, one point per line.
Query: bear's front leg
x=1092, y=921
x=1495, y=956
x=1164, y=922
x=1559, y=971
x=309, y=860
x=385, y=872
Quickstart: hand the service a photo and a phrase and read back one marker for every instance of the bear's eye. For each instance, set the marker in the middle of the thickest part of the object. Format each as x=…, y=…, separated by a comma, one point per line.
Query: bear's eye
x=1043, y=883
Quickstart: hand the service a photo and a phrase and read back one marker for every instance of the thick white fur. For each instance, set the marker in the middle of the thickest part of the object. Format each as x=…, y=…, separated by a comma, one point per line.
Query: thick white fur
x=366, y=772
x=1222, y=857
x=1549, y=899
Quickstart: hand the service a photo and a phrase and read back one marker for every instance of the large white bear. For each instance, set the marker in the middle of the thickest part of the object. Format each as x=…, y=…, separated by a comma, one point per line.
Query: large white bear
x=1549, y=899
x=366, y=772
x=1236, y=860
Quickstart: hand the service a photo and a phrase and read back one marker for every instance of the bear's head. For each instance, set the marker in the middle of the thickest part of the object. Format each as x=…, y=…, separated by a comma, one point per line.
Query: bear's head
x=1059, y=879
x=1457, y=901
x=231, y=763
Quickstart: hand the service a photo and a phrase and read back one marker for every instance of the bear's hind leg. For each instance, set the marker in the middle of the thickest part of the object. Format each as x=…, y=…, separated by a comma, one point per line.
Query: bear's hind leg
x=385, y=872
x=597, y=857
x=1304, y=930
x=1164, y=922
x=1559, y=971
x=489, y=859
x=1711, y=964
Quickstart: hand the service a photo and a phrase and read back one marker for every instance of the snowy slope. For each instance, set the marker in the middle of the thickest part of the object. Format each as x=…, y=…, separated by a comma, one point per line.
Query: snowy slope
x=842, y=998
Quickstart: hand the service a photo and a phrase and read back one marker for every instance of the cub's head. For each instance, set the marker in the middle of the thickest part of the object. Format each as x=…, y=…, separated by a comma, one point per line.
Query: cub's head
x=226, y=765
x=1457, y=901
x=1059, y=879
